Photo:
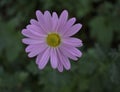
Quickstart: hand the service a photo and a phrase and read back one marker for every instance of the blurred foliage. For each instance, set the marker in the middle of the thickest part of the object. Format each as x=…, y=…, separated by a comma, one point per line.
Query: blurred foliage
x=97, y=71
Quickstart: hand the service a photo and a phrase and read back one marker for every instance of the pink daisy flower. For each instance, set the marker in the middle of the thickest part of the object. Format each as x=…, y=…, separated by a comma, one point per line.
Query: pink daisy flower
x=49, y=39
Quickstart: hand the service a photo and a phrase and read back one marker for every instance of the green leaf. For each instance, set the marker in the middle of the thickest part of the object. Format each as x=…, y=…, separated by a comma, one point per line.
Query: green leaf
x=101, y=31
x=32, y=68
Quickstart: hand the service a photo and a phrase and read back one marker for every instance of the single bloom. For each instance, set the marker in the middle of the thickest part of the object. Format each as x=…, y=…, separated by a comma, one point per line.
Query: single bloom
x=49, y=39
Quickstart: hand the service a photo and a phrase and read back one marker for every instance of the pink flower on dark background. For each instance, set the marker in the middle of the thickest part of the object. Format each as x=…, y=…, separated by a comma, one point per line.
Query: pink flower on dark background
x=49, y=38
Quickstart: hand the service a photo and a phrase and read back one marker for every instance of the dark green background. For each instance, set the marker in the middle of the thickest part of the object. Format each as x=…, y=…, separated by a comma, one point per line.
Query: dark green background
x=97, y=71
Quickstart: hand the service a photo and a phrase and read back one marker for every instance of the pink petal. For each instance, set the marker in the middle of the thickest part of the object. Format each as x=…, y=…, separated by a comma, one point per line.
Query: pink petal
x=37, y=23
x=39, y=57
x=66, y=53
x=62, y=20
x=68, y=25
x=53, y=58
x=32, y=47
x=76, y=52
x=48, y=21
x=72, y=50
x=63, y=17
x=36, y=30
x=73, y=42
x=34, y=22
x=64, y=60
x=54, y=21
x=44, y=59
x=35, y=49
x=41, y=20
x=60, y=67
x=73, y=30
x=27, y=33
x=40, y=16
x=32, y=41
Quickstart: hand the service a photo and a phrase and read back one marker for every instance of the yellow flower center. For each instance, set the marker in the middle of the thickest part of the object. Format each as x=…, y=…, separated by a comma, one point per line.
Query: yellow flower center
x=53, y=40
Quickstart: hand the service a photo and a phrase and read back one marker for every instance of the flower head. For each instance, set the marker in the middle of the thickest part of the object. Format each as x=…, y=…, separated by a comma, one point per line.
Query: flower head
x=49, y=38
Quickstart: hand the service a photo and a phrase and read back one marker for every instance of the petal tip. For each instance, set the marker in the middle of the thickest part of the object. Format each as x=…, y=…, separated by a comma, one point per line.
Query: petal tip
x=22, y=32
x=40, y=67
x=30, y=55
x=80, y=25
x=54, y=67
x=23, y=41
x=37, y=12
x=60, y=70
x=65, y=11
x=80, y=55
